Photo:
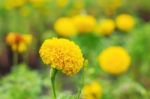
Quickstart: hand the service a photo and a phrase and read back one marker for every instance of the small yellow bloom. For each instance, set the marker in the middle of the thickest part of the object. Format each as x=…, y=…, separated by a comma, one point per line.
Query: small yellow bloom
x=125, y=22
x=18, y=42
x=62, y=54
x=114, y=60
x=65, y=27
x=105, y=27
x=10, y=38
x=84, y=23
x=92, y=91
x=27, y=38
x=22, y=47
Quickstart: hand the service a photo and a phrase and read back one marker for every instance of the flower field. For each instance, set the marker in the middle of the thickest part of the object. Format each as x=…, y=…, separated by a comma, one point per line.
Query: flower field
x=74, y=49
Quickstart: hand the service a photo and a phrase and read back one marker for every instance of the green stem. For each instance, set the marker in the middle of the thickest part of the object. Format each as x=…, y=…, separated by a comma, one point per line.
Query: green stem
x=15, y=58
x=52, y=76
x=83, y=78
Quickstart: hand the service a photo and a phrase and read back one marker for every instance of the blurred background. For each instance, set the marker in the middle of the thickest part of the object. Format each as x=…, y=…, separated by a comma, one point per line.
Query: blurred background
x=92, y=24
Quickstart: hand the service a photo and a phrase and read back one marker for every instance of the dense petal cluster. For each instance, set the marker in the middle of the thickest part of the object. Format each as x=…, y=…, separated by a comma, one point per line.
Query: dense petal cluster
x=114, y=60
x=18, y=42
x=105, y=27
x=125, y=22
x=65, y=27
x=84, y=23
x=62, y=54
x=92, y=91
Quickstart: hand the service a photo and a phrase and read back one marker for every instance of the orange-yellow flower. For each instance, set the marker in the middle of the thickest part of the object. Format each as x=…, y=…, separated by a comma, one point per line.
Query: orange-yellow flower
x=62, y=54
x=18, y=42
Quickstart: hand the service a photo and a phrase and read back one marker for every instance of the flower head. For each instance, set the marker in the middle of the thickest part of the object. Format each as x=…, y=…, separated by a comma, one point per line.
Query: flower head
x=65, y=27
x=18, y=42
x=114, y=60
x=62, y=54
x=125, y=22
x=105, y=27
x=84, y=23
x=92, y=91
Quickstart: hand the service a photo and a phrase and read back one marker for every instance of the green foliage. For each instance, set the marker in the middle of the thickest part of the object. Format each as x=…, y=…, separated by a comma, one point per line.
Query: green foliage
x=139, y=47
x=21, y=83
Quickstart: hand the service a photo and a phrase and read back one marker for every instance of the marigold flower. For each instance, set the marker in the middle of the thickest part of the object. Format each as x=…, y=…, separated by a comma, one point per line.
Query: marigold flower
x=105, y=27
x=84, y=23
x=114, y=60
x=62, y=54
x=92, y=91
x=18, y=42
x=125, y=22
x=65, y=27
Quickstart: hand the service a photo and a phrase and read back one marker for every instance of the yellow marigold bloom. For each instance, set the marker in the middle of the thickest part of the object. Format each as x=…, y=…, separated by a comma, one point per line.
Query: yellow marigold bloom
x=10, y=39
x=84, y=23
x=27, y=38
x=18, y=42
x=62, y=54
x=105, y=27
x=65, y=27
x=114, y=60
x=125, y=22
x=92, y=91
x=21, y=47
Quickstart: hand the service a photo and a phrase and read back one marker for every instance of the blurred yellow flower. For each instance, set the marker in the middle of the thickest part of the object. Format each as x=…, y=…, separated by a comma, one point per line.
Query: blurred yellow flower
x=78, y=4
x=92, y=91
x=125, y=22
x=65, y=27
x=38, y=3
x=21, y=47
x=25, y=11
x=27, y=38
x=84, y=23
x=114, y=60
x=61, y=3
x=105, y=27
x=10, y=4
x=110, y=6
x=18, y=42
x=62, y=54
